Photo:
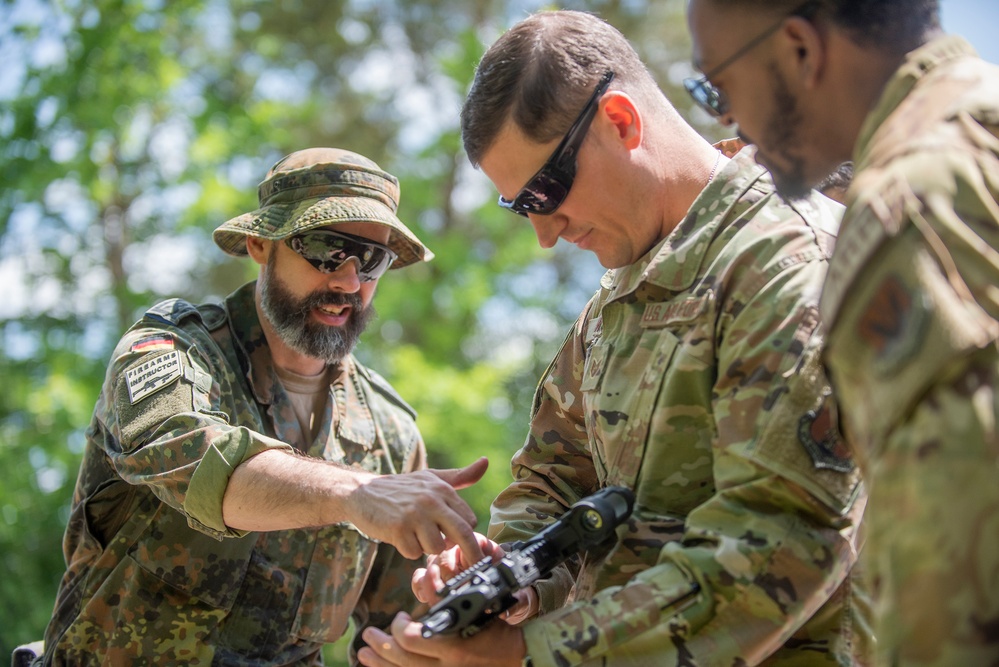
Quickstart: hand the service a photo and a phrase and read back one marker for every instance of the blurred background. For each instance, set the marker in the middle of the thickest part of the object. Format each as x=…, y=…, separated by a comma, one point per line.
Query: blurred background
x=130, y=129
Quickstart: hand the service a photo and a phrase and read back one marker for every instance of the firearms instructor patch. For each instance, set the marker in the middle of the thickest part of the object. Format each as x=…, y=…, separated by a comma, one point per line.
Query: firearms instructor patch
x=152, y=375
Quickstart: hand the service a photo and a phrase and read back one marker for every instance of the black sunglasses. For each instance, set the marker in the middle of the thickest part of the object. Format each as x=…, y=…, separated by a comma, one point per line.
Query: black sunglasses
x=711, y=98
x=328, y=251
x=548, y=188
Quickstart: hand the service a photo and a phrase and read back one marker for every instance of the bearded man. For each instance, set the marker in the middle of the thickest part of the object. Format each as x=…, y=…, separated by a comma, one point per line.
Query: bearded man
x=247, y=485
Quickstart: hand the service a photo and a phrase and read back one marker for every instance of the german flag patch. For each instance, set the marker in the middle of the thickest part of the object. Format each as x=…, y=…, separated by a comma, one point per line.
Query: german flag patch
x=154, y=343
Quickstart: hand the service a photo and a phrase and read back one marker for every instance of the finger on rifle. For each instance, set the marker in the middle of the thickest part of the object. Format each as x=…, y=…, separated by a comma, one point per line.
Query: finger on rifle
x=488, y=548
x=459, y=533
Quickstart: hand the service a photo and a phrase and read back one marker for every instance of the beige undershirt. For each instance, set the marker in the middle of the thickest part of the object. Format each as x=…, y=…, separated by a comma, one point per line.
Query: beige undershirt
x=308, y=395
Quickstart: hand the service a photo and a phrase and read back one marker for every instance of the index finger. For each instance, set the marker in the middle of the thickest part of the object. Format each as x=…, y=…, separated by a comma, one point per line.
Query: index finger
x=458, y=532
x=488, y=547
x=457, y=504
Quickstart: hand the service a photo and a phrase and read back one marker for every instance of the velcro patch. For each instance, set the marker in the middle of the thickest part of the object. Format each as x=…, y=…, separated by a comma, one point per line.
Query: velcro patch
x=819, y=434
x=662, y=314
x=153, y=343
x=596, y=362
x=593, y=329
x=799, y=438
x=151, y=376
x=891, y=325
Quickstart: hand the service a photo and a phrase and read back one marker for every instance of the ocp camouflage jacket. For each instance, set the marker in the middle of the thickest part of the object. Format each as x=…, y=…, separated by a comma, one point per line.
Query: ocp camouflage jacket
x=912, y=309
x=692, y=377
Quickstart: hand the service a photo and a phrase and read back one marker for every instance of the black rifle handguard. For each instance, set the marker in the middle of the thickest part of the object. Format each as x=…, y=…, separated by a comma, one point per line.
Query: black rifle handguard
x=481, y=593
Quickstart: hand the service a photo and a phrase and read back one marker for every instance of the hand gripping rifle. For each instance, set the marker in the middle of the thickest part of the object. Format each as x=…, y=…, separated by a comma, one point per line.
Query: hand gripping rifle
x=482, y=592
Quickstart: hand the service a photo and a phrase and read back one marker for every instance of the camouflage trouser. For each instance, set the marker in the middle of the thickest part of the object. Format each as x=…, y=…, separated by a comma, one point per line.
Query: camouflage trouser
x=932, y=549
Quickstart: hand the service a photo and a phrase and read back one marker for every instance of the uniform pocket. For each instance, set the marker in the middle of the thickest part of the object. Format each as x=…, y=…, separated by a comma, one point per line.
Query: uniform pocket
x=623, y=388
x=109, y=631
x=192, y=562
x=340, y=566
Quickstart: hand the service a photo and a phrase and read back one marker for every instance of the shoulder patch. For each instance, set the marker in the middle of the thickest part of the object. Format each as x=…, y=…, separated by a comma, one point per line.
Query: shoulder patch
x=890, y=324
x=819, y=434
x=151, y=375
x=799, y=438
x=213, y=315
x=154, y=343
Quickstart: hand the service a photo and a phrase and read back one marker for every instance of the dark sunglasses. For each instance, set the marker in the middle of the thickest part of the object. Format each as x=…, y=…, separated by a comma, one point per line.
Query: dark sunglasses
x=328, y=251
x=548, y=188
x=711, y=98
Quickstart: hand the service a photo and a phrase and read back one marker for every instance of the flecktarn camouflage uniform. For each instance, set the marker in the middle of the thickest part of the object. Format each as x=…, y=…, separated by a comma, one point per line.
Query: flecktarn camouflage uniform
x=154, y=575
x=912, y=303
x=692, y=377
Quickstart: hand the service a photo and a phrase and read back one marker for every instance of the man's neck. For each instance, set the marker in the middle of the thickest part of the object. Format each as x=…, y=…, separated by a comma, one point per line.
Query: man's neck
x=864, y=75
x=849, y=88
x=689, y=163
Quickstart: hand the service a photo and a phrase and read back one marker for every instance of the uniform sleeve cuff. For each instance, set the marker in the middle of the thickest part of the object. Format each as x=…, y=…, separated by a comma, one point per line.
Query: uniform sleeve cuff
x=203, y=500
x=553, y=592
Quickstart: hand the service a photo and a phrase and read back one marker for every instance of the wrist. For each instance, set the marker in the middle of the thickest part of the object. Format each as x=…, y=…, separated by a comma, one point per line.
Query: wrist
x=344, y=500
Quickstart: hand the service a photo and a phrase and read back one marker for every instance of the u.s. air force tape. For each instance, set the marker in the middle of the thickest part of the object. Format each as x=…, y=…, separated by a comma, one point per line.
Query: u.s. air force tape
x=151, y=376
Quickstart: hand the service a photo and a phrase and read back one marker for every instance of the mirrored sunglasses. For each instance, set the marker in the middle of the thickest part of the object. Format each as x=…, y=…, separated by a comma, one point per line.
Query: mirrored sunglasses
x=327, y=251
x=548, y=188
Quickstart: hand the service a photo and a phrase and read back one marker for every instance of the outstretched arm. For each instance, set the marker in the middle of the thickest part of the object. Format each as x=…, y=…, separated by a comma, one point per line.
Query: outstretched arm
x=418, y=512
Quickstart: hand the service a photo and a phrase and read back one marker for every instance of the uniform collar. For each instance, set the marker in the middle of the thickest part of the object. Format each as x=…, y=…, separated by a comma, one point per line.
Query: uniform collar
x=675, y=262
x=917, y=65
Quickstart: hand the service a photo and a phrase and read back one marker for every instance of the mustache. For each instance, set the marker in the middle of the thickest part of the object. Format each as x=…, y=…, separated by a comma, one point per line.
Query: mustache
x=324, y=298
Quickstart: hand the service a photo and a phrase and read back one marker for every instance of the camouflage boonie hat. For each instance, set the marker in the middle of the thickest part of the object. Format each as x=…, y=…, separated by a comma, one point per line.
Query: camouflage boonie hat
x=317, y=187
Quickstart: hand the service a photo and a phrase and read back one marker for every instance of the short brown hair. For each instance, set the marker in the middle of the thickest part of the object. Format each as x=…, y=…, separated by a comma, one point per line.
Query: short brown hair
x=540, y=74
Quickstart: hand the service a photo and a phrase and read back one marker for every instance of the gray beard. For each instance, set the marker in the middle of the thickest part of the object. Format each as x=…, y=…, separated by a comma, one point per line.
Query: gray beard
x=291, y=319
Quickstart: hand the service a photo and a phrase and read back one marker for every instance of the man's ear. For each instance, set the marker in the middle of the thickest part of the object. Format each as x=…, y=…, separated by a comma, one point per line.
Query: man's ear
x=621, y=111
x=804, y=49
x=258, y=249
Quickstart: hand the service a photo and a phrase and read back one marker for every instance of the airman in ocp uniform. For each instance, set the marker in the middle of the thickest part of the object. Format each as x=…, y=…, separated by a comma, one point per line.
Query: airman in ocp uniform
x=910, y=302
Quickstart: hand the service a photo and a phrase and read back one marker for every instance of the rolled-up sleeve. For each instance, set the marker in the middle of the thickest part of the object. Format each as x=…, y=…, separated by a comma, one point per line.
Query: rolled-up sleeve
x=177, y=439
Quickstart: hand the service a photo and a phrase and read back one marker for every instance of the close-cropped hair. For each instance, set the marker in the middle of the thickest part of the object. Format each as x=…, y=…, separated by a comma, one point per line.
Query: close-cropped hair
x=541, y=72
x=897, y=26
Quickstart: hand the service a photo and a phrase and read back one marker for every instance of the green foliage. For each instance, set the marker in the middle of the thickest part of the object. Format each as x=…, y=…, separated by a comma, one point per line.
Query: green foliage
x=44, y=410
x=463, y=414
x=129, y=129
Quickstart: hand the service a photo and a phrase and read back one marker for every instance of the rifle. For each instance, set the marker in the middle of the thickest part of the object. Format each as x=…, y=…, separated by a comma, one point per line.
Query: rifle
x=481, y=593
